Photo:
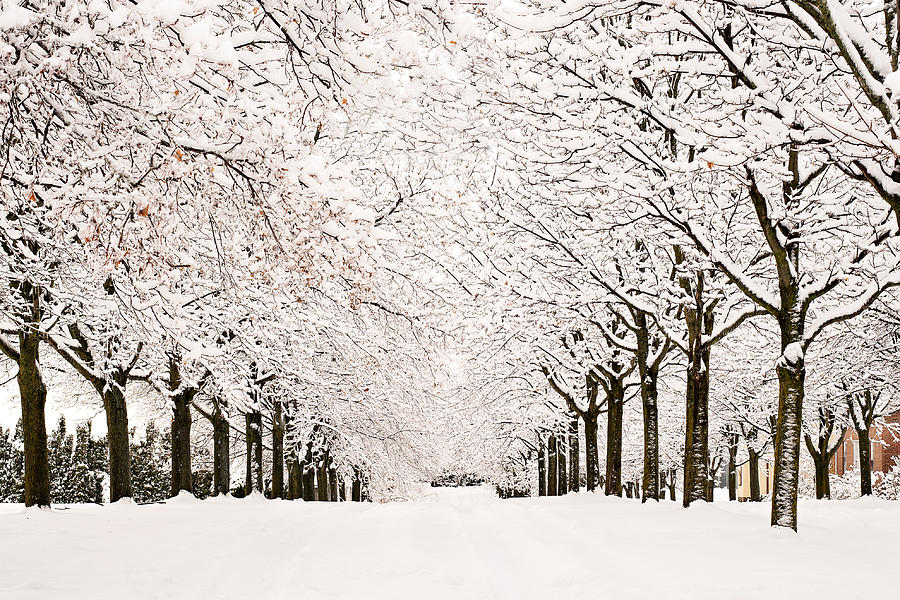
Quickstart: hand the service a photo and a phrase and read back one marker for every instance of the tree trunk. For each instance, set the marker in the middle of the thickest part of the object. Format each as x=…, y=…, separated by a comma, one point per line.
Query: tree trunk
x=356, y=491
x=755, y=495
x=574, y=456
x=614, y=441
x=673, y=481
x=561, y=467
x=254, y=478
x=289, y=479
x=591, y=451
x=650, y=479
x=309, y=481
x=221, y=453
x=823, y=485
x=732, y=466
x=791, y=380
x=696, y=443
x=542, y=468
x=552, y=475
x=649, y=374
x=278, y=452
x=295, y=479
x=713, y=469
x=33, y=395
x=865, y=462
x=333, y=485
x=181, y=442
x=322, y=480
x=119, y=448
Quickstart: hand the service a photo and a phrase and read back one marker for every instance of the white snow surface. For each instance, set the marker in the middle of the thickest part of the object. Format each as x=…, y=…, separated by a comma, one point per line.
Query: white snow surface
x=457, y=543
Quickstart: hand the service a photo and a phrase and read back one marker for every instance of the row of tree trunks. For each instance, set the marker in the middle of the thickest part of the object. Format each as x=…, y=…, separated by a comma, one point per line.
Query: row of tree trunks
x=559, y=471
x=589, y=417
x=318, y=480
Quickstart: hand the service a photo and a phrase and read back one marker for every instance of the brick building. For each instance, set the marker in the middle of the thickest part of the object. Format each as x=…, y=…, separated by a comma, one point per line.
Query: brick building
x=885, y=448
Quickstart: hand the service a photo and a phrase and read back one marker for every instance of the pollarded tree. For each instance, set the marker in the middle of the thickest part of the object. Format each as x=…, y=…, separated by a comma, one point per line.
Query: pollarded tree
x=828, y=437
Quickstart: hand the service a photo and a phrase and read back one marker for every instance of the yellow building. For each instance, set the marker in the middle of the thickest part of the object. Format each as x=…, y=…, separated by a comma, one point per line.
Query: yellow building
x=743, y=479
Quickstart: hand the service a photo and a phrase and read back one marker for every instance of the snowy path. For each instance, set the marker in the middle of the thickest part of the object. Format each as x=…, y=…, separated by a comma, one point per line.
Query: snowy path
x=458, y=543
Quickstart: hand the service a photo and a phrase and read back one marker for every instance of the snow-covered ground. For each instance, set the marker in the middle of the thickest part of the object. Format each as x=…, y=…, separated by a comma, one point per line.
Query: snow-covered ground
x=457, y=543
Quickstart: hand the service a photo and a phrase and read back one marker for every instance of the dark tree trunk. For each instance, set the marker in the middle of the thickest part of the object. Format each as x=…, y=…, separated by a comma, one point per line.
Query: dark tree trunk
x=343, y=490
x=823, y=485
x=309, y=481
x=221, y=452
x=322, y=480
x=574, y=456
x=732, y=465
x=181, y=430
x=119, y=448
x=755, y=495
x=561, y=462
x=333, y=485
x=591, y=451
x=698, y=318
x=356, y=491
x=822, y=450
x=542, y=468
x=696, y=443
x=33, y=395
x=672, y=484
x=865, y=462
x=181, y=444
x=278, y=452
x=295, y=479
x=289, y=479
x=713, y=470
x=614, y=415
x=552, y=475
x=254, y=478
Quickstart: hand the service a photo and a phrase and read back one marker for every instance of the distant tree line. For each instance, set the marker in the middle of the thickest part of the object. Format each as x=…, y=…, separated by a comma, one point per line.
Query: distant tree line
x=78, y=466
